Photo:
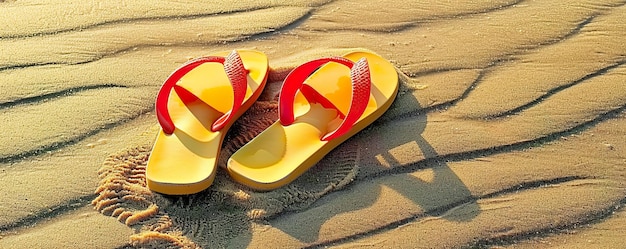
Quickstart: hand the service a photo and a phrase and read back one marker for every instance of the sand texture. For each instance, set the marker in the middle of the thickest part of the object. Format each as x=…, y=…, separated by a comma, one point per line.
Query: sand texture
x=509, y=129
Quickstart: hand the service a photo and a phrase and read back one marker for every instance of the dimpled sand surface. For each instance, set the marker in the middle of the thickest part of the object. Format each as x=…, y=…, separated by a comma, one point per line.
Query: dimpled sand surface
x=509, y=129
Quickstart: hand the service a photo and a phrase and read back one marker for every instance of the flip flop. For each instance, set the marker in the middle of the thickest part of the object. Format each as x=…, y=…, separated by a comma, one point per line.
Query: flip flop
x=195, y=107
x=321, y=104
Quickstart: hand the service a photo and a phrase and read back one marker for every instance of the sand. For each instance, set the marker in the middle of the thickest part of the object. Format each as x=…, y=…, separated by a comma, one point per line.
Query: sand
x=509, y=130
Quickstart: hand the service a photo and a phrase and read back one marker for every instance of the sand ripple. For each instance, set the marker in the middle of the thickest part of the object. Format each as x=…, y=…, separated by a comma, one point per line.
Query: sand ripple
x=509, y=127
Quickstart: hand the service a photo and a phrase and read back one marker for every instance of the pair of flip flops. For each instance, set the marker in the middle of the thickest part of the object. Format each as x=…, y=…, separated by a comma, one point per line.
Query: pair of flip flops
x=321, y=104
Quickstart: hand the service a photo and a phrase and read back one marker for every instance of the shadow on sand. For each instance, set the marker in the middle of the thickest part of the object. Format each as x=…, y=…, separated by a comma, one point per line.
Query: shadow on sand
x=435, y=194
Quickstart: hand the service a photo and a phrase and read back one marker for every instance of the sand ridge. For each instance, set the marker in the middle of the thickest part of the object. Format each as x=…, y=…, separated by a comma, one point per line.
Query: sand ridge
x=509, y=121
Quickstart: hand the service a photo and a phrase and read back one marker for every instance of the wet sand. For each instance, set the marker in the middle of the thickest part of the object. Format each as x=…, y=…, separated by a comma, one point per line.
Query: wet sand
x=509, y=130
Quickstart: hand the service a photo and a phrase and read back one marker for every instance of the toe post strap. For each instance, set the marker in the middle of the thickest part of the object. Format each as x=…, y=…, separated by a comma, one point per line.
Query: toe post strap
x=236, y=73
x=361, y=87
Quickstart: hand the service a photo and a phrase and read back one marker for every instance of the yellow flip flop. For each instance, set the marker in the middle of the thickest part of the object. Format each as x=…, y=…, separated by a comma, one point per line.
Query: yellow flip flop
x=321, y=104
x=195, y=107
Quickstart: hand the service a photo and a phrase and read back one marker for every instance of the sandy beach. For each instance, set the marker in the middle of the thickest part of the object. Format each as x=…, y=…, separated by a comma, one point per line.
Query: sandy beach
x=508, y=131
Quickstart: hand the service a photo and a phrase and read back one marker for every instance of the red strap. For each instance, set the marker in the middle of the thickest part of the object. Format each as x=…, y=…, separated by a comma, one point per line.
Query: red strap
x=236, y=73
x=361, y=86
x=238, y=76
x=361, y=89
